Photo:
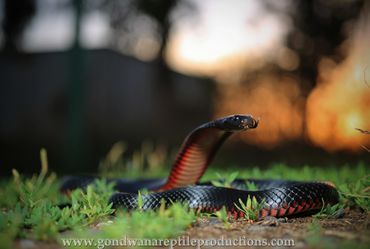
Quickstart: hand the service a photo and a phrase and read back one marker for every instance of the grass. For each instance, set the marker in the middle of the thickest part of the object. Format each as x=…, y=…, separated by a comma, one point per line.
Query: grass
x=222, y=216
x=328, y=211
x=30, y=207
x=225, y=181
x=250, y=208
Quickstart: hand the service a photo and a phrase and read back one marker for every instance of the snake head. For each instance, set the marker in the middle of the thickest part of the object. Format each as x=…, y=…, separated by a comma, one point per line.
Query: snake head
x=237, y=122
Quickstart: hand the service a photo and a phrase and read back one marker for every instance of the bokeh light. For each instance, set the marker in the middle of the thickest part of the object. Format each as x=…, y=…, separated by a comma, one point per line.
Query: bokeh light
x=341, y=101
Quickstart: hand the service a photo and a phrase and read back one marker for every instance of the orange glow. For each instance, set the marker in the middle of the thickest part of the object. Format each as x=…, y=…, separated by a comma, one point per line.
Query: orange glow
x=278, y=102
x=349, y=123
x=341, y=101
x=238, y=53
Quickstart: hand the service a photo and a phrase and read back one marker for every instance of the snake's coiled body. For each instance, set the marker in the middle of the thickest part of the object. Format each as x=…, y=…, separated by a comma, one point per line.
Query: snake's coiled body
x=280, y=198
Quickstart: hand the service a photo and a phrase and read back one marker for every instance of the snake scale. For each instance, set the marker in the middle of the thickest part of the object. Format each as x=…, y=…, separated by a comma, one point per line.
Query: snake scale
x=280, y=198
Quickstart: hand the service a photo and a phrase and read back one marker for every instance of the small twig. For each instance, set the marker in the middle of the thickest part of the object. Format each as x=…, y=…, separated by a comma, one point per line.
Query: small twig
x=365, y=148
x=367, y=189
x=363, y=131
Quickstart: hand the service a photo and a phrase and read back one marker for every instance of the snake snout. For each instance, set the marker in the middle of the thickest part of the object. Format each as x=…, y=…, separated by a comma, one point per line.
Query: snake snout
x=238, y=122
x=254, y=123
x=248, y=122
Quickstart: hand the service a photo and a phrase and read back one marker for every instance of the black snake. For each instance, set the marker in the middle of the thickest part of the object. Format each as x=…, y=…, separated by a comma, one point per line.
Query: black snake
x=280, y=198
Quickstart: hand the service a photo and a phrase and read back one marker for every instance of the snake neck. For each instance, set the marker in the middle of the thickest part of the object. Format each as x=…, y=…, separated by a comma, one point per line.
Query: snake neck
x=200, y=147
x=196, y=153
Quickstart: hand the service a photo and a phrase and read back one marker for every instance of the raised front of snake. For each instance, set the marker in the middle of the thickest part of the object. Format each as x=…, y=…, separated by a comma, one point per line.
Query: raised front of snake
x=280, y=198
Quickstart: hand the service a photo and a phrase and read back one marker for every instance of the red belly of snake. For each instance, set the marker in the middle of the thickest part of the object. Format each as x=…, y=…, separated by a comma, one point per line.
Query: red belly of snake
x=280, y=198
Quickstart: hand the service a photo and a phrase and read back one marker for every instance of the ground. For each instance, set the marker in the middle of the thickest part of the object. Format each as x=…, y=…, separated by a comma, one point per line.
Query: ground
x=350, y=231
x=354, y=227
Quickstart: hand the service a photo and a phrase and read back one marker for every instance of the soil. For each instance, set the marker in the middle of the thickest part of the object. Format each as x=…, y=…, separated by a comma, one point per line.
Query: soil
x=353, y=227
x=350, y=231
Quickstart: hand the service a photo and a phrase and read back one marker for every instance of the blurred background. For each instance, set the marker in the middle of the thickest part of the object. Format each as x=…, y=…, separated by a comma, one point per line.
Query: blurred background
x=78, y=76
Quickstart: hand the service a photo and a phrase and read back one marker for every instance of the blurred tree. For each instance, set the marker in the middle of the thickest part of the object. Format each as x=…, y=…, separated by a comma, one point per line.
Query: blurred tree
x=17, y=14
x=319, y=28
x=126, y=15
x=159, y=11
